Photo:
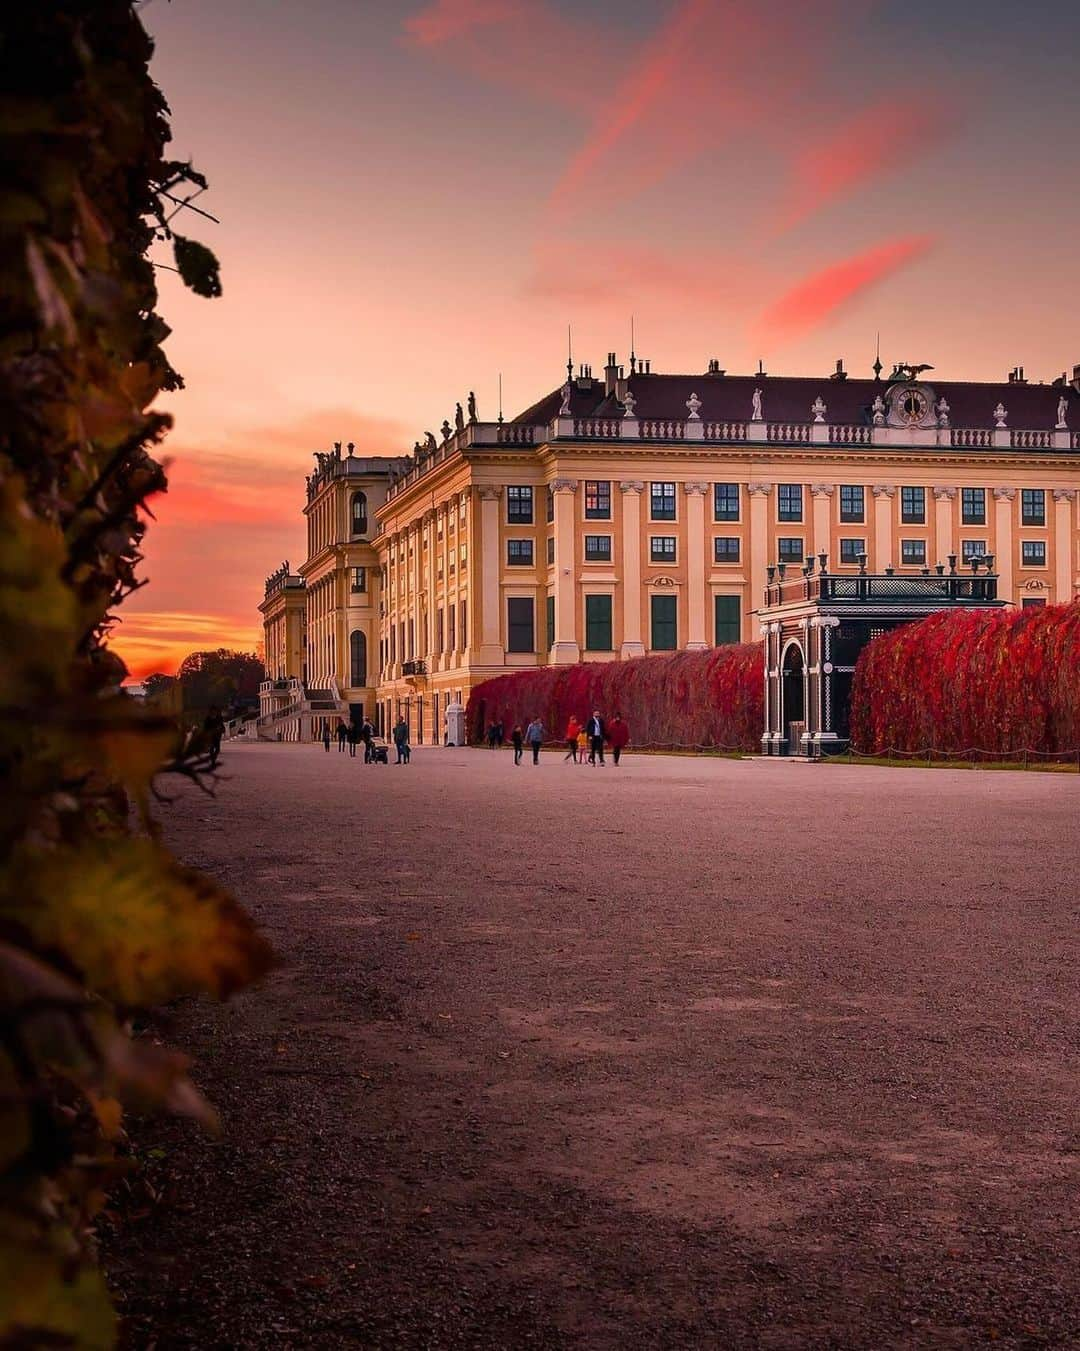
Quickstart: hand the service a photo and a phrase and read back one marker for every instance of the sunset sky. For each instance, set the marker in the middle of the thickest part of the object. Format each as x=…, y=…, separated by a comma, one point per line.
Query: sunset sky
x=415, y=197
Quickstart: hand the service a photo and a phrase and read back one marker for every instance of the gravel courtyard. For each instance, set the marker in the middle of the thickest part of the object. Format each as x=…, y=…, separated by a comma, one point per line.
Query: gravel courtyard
x=684, y=1053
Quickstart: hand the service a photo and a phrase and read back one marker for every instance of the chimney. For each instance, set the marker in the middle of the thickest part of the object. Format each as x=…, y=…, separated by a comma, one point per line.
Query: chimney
x=839, y=373
x=621, y=385
x=611, y=375
x=715, y=367
x=1076, y=379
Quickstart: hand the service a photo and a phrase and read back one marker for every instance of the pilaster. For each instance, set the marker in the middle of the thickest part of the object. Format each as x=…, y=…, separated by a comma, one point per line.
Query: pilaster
x=821, y=494
x=491, y=649
x=944, y=540
x=883, y=500
x=1064, y=498
x=695, y=565
x=565, y=649
x=632, y=644
x=1003, y=540
x=759, y=540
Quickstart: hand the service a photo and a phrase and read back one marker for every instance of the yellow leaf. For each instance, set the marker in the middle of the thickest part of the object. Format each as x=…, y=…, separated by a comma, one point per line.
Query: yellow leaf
x=48, y=1296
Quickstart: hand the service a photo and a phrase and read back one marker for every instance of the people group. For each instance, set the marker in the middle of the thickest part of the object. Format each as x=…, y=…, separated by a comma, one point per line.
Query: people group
x=585, y=741
x=350, y=735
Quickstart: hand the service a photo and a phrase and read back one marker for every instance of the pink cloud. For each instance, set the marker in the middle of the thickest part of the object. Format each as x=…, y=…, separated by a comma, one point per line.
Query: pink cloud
x=447, y=19
x=810, y=303
x=876, y=140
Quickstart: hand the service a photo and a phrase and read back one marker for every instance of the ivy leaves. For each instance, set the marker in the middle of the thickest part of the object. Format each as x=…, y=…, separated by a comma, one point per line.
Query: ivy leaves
x=197, y=266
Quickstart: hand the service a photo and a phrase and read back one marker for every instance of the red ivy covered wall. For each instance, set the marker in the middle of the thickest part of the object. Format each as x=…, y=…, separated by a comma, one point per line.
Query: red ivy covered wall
x=703, y=699
x=992, y=680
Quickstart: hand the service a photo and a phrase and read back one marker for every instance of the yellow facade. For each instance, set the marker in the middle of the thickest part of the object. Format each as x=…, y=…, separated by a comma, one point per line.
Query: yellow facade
x=559, y=537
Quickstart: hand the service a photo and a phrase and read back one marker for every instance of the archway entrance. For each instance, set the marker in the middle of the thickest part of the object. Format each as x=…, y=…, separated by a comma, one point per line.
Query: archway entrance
x=792, y=696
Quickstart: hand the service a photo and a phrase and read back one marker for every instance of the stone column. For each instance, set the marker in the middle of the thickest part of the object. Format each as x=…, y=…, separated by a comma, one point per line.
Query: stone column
x=565, y=650
x=430, y=520
x=490, y=571
x=1063, y=544
x=416, y=537
x=883, y=527
x=632, y=645
x=1003, y=540
x=697, y=621
x=944, y=541
x=759, y=540
x=445, y=660
x=822, y=500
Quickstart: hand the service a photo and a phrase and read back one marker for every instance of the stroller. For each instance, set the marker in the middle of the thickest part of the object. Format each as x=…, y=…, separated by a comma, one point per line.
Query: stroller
x=380, y=752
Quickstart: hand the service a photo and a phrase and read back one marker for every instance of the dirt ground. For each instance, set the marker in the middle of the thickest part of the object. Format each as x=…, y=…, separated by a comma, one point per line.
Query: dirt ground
x=687, y=1053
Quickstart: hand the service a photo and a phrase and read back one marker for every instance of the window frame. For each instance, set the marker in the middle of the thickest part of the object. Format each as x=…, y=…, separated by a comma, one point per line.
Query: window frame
x=737, y=621
x=1036, y=496
x=718, y=511
x=966, y=556
x=519, y=498
x=603, y=557
x=665, y=561
x=525, y=549
x=602, y=488
x=906, y=514
x=664, y=599
x=1033, y=544
x=913, y=562
x=519, y=624
x=663, y=484
x=590, y=598
x=853, y=559
x=784, y=513
x=855, y=492
x=972, y=495
x=726, y=539
x=781, y=540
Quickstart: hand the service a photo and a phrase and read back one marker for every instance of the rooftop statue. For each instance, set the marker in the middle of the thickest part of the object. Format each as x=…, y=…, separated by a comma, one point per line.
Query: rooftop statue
x=694, y=405
x=430, y=444
x=904, y=371
x=1063, y=414
x=459, y=418
x=879, y=411
x=446, y=429
x=564, y=407
x=472, y=406
x=628, y=404
x=756, y=415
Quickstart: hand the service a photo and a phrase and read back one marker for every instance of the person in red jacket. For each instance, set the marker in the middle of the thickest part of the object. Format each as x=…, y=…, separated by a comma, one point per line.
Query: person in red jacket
x=572, y=730
x=618, y=734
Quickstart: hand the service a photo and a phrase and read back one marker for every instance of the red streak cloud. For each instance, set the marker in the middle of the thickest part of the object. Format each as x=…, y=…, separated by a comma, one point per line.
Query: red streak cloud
x=814, y=300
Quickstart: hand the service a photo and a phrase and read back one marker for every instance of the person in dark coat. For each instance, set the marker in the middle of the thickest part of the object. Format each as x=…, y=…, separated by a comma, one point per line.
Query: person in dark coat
x=354, y=737
x=367, y=734
x=618, y=734
x=401, y=741
x=326, y=735
x=342, y=735
x=517, y=736
x=534, y=735
x=213, y=731
x=595, y=731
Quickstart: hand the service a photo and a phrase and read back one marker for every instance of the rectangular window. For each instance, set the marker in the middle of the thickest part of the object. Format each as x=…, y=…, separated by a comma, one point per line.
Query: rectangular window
x=551, y=550
x=662, y=548
x=913, y=552
x=850, y=549
x=973, y=506
x=789, y=550
x=789, y=502
x=597, y=499
x=662, y=501
x=726, y=549
x=451, y=615
x=725, y=501
x=597, y=548
x=972, y=548
x=852, y=503
x=519, y=624
x=359, y=579
x=663, y=613
x=1033, y=553
x=728, y=619
x=1032, y=506
x=550, y=615
x=519, y=553
x=1032, y=602
x=519, y=505
x=439, y=633
x=463, y=610
x=913, y=506
x=412, y=640
x=598, y=623
x=550, y=506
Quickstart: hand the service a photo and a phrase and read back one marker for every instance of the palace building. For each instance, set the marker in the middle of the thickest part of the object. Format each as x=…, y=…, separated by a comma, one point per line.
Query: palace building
x=641, y=512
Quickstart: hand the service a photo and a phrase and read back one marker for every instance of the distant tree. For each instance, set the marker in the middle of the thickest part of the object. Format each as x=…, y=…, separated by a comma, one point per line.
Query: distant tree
x=157, y=684
x=221, y=678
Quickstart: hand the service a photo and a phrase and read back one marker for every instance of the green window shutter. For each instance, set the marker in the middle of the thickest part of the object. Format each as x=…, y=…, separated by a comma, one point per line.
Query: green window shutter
x=519, y=626
x=664, y=613
x=551, y=621
x=728, y=620
x=598, y=623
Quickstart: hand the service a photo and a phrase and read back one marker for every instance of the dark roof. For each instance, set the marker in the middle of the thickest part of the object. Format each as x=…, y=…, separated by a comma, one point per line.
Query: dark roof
x=728, y=398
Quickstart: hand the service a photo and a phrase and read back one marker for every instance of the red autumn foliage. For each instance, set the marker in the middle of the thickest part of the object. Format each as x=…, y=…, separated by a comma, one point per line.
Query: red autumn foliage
x=693, y=699
x=993, y=680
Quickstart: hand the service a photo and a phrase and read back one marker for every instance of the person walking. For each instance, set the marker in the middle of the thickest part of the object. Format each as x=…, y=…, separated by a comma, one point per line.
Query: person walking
x=326, y=735
x=401, y=741
x=618, y=734
x=353, y=737
x=517, y=736
x=493, y=736
x=573, y=728
x=534, y=735
x=500, y=734
x=367, y=735
x=214, y=730
x=595, y=731
x=582, y=747
x=342, y=735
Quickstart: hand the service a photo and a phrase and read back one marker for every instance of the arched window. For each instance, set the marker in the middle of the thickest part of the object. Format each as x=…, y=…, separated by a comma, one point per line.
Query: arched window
x=359, y=513
x=357, y=659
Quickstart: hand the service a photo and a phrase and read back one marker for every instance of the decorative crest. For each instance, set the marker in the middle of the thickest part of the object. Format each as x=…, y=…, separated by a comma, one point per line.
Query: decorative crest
x=694, y=405
x=818, y=409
